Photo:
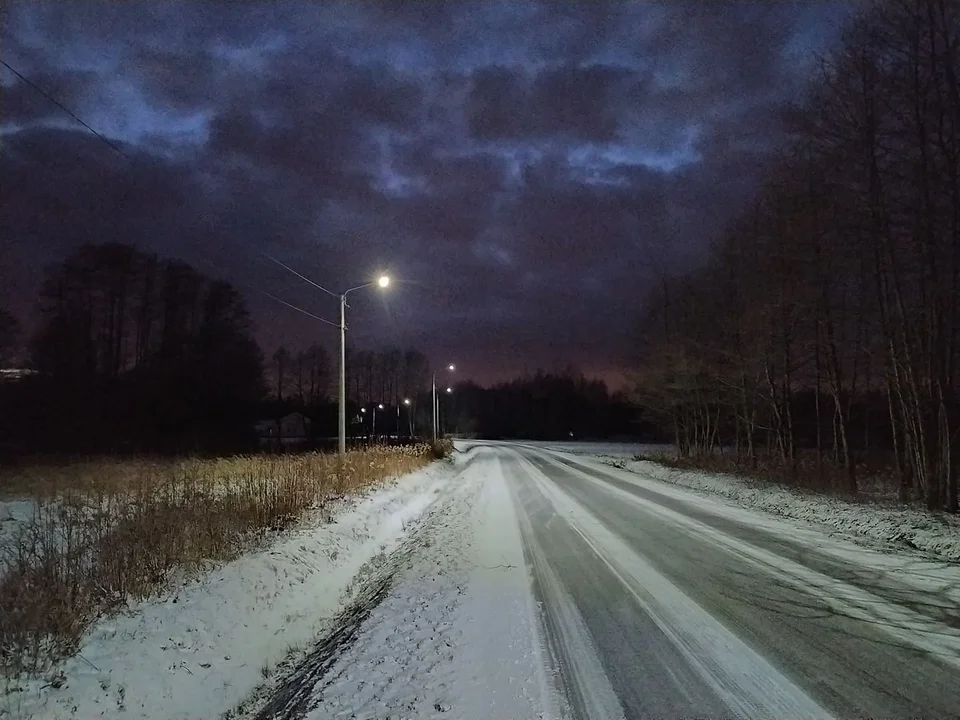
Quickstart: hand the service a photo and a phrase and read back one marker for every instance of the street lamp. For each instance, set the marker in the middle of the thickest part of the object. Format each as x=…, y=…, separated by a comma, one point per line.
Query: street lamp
x=382, y=282
x=433, y=387
x=373, y=430
x=406, y=401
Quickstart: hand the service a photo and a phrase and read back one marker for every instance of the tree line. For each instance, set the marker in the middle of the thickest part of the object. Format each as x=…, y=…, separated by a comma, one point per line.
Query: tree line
x=134, y=353
x=826, y=317
x=544, y=406
x=307, y=382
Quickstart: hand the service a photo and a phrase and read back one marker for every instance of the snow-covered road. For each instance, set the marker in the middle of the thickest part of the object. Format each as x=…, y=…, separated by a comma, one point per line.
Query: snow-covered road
x=546, y=585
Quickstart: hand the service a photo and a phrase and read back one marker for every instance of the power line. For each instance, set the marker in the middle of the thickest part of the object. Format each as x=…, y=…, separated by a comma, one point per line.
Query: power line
x=306, y=279
x=113, y=146
x=294, y=307
x=217, y=269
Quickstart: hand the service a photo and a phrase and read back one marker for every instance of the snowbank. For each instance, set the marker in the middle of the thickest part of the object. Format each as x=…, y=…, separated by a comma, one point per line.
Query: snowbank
x=200, y=651
x=901, y=525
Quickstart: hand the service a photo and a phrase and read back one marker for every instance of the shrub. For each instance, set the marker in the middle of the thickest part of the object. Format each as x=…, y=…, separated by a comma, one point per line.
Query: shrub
x=441, y=448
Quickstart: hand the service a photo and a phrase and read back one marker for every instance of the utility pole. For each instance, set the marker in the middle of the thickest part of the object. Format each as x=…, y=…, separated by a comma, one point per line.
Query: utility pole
x=343, y=377
x=433, y=390
x=435, y=403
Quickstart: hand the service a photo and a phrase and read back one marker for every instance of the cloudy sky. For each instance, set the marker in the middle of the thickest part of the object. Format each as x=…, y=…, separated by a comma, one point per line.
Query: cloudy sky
x=522, y=167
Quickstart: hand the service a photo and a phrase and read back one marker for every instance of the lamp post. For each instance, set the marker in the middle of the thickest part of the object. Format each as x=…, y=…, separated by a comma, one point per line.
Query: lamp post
x=406, y=401
x=382, y=282
x=374, y=429
x=433, y=387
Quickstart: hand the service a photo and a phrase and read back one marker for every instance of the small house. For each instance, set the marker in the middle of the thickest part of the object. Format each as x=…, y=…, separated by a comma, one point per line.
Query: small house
x=290, y=430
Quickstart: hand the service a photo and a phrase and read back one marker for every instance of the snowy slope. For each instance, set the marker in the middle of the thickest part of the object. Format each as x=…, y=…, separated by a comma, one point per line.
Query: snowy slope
x=199, y=652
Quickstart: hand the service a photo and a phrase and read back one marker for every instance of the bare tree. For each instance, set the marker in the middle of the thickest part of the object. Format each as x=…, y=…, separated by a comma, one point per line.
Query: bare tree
x=9, y=336
x=282, y=369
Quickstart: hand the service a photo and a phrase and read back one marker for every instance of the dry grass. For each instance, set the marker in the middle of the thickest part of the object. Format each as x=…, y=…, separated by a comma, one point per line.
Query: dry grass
x=876, y=479
x=106, y=532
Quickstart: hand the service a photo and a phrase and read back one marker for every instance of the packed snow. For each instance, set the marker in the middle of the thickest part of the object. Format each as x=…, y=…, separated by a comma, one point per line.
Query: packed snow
x=895, y=525
x=934, y=534
x=748, y=684
x=905, y=624
x=200, y=651
x=932, y=579
x=456, y=634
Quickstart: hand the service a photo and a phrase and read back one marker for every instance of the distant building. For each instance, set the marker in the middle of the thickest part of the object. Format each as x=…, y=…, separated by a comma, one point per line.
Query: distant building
x=289, y=431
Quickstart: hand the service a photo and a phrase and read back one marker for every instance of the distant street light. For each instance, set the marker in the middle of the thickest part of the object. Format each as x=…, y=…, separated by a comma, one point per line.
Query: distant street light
x=382, y=282
x=449, y=390
x=406, y=401
x=376, y=407
x=450, y=368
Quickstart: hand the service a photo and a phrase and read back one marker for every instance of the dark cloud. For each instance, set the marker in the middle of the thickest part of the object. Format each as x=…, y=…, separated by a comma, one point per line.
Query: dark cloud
x=21, y=103
x=570, y=102
x=522, y=166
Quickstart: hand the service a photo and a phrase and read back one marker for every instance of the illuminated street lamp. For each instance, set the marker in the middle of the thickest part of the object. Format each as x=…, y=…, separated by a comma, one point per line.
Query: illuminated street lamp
x=450, y=368
x=382, y=282
x=373, y=430
x=406, y=401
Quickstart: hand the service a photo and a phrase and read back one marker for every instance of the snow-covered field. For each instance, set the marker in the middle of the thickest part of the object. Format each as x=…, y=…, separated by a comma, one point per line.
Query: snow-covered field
x=200, y=651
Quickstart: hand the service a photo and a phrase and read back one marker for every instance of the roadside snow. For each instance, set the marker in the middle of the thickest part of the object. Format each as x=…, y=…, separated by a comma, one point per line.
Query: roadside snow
x=937, y=535
x=456, y=636
x=13, y=514
x=200, y=651
x=612, y=450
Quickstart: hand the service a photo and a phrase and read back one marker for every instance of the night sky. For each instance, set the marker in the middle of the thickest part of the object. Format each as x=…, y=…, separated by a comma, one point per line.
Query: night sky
x=523, y=168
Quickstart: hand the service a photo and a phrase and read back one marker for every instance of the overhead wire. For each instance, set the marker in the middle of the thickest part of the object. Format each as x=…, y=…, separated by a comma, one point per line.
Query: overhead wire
x=294, y=307
x=68, y=111
x=204, y=260
x=302, y=277
x=113, y=146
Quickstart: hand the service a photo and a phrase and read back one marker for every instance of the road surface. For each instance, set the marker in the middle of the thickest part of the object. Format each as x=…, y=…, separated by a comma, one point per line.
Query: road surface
x=648, y=601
